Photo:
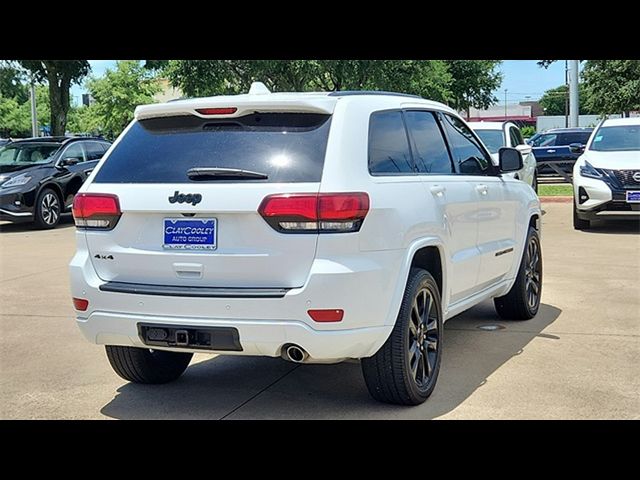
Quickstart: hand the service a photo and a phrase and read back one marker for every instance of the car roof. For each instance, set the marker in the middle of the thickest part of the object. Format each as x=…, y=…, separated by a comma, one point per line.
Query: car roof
x=312, y=102
x=610, y=122
x=570, y=130
x=489, y=125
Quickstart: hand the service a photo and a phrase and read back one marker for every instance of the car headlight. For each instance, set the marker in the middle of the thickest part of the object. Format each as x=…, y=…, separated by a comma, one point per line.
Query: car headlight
x=587, y=170
x=17, y=181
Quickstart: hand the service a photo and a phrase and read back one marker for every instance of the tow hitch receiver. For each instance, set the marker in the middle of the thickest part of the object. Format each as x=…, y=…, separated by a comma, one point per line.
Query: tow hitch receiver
x=198, y=338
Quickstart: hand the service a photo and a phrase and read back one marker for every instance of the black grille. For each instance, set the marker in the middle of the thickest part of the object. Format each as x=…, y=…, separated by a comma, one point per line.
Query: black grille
x=625, y=177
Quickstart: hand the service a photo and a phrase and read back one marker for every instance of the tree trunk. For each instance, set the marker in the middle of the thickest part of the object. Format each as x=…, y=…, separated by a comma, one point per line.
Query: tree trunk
x=59, y=100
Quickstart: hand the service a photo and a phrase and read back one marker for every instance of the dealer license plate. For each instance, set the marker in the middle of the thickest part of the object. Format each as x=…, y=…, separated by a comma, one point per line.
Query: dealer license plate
x=191, y=234
x=633, y=196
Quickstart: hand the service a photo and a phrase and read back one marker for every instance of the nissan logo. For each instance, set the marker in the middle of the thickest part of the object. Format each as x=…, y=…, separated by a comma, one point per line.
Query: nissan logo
x=636, y=176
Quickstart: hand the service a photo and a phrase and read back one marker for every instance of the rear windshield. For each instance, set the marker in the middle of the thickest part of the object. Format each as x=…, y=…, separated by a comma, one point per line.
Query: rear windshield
x=492, y=139
x=288, y=147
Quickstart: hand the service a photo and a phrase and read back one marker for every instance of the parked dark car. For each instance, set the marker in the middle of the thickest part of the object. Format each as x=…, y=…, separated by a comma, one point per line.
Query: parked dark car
x=40, y=176
x=554, y=145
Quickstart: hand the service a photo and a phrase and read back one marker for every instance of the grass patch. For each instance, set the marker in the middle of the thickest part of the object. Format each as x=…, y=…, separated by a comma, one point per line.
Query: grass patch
x=555, y=190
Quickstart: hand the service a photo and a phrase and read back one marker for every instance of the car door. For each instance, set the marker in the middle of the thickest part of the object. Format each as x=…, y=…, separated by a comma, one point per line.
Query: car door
x=453, y=196
x=495, y=210
x=527, y=172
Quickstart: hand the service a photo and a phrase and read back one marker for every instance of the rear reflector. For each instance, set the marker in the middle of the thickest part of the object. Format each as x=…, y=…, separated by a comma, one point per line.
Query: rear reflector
x=315, y=213
x=332, y=315
x=80, y=304
x=217, y=111
x=96, y=210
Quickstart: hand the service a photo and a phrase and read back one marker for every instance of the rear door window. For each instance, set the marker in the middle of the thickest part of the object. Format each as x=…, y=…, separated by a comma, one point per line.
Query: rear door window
x=516, y=137
x=430, y=151
x=288, y=147
x=573, y=137
x=389, y=152
x=94, y=150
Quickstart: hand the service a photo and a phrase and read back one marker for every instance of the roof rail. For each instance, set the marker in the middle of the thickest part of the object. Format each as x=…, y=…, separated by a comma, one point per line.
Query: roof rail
x=349, y=93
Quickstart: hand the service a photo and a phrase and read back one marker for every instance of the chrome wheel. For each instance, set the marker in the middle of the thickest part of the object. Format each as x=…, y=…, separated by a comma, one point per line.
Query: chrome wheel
x=533, y=273
x=50, y=208
x=423, y=338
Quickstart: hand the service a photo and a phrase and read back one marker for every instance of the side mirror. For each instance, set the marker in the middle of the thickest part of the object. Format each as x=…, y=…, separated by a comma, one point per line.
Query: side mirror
x=576, y=148
x=69, y=161
x=509, y=159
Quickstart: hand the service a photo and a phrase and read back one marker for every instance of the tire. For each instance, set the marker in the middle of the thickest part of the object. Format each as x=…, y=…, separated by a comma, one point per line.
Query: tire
x=388, y=374
x=535, y=183
x=142, y=365
x=47, y=210
x=523, y=300
x=578, y=223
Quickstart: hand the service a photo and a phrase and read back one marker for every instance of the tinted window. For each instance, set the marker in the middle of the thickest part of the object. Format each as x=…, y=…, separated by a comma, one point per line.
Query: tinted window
x=430, y=153
x=94, y=150
x=573, y=137
x=545, y=140
x=516, y=136
x=618, y=138
x=388, y=144
x=74, y=151
x=492, y=139
x=288, y=147
x=467, y=152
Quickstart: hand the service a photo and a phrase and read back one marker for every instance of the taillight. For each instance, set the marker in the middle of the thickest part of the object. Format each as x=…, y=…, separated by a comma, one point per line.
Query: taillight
x=96, y=210
x=217, y=111
x=315, y=213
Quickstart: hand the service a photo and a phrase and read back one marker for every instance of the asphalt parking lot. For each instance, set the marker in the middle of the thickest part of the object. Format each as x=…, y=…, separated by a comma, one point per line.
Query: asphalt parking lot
x=578, y=359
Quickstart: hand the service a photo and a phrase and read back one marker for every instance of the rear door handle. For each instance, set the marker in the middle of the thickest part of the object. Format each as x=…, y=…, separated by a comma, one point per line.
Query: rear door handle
x=437, y=190
x=551, y=151
x=482, y=189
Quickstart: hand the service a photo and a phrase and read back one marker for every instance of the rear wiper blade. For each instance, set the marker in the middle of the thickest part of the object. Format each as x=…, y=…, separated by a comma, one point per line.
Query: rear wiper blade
x=203, y=173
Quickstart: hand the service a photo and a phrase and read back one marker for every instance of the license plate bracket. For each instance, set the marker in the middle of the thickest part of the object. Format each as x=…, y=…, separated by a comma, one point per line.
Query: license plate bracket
x=190, y=233
x=633, y=196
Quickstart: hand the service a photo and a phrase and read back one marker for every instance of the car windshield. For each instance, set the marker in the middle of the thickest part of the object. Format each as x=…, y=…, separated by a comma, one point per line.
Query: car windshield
x=492, y=139
x=27, y=153
x=620, y=138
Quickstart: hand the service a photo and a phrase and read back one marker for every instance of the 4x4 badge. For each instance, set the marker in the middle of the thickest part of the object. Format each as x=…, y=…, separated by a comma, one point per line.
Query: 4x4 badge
x=192, y=198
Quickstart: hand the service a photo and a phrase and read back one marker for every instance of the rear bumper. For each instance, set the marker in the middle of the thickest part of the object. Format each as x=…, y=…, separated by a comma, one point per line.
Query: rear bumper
x=264, y=338
x=364, y=288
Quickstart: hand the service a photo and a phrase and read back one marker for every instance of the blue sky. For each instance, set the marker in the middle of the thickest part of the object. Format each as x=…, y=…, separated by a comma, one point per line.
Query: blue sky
x=521, y=78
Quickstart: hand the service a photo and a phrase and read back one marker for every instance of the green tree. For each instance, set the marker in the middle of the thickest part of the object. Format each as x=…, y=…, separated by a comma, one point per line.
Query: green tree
x=117, y=94
x=473, y=83
x=59, y=74
x=15, y=115
x=214, y=77
x=12, y=82
x=612, y=86
x=553, y=100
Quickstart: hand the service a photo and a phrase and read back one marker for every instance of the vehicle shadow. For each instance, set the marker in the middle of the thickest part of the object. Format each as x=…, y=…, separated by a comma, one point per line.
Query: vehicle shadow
x=268, y=388
x=615, y=227
x=66, y=221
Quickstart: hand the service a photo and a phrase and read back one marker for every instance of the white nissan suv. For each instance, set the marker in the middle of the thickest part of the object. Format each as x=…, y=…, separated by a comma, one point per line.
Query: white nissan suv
x=315, y=227
x=606, y=177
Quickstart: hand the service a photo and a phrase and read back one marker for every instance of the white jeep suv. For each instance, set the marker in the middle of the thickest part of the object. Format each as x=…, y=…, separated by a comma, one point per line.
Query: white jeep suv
x=606, y=177
x=315, y=227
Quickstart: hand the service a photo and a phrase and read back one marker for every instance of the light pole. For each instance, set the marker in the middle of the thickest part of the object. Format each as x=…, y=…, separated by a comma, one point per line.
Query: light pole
x=505, y=103
x=34, y=112
x=574, y=100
